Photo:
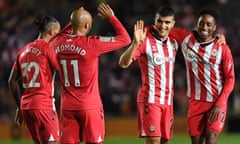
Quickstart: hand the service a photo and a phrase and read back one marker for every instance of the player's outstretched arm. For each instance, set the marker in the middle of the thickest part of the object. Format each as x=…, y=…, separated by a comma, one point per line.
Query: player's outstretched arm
x=139, y=36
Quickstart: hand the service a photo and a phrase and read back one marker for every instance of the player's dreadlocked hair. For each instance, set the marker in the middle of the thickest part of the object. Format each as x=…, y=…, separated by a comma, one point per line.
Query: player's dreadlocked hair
x=43, y=22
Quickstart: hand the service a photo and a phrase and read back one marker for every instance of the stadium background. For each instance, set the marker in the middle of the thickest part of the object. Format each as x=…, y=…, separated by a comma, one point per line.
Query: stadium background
x=118, y=86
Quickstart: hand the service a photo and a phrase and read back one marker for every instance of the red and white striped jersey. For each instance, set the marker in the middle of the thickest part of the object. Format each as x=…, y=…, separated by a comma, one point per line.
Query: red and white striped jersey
x=156, y=61
x=209, y=69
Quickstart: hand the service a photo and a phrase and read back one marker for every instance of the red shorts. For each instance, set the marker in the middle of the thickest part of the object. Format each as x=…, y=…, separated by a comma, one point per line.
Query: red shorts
x=82, y=126
x=42, y=125
x=155, y=120
x=197, y=118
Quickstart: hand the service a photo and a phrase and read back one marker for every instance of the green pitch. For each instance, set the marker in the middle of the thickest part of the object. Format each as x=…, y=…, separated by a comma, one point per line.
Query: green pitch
x=178, y=139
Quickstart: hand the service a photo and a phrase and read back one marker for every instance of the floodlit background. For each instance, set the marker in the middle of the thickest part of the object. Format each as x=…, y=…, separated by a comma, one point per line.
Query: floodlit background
x=118, y=86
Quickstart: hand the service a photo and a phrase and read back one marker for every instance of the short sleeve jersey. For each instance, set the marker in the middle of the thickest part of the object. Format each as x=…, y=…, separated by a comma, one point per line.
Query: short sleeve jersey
x=209, y=68
x=156, y=60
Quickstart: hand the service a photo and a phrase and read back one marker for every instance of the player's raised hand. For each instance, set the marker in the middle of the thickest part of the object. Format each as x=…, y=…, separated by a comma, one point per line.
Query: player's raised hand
x=105, y=11
x=139, y=31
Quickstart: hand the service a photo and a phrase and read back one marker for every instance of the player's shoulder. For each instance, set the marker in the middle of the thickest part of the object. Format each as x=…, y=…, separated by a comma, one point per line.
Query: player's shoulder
x=59, y=37
x=220, y=44
x=37, y=43
x=180, y=31
x=27, y=46
x=180, y=34
x=225, y=47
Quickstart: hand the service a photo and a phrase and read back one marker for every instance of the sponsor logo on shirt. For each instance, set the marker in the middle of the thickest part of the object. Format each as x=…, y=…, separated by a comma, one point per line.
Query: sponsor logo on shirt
x=106, y=39
x=157, y=59
x=190, y=55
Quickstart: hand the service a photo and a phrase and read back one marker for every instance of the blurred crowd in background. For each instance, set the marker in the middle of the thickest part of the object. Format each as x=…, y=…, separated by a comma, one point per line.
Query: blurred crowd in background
x=118, y=86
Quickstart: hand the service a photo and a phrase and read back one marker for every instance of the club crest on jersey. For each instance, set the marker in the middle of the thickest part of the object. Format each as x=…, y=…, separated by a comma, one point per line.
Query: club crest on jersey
x=190, y=54
x=151, y=128
x=214, y=53
x=157, y=59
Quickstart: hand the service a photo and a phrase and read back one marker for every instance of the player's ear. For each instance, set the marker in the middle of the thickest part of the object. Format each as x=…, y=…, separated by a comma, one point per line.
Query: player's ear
x=173, y=23
x=50, y=31
x=87, y=26
x=215, y=27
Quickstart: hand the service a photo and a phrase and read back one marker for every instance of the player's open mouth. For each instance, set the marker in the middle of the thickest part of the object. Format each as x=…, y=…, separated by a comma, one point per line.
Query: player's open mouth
x=204, y=32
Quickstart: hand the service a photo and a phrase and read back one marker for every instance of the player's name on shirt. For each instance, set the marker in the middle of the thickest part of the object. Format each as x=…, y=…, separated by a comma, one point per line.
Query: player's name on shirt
x=70, y=47
x=34, y=50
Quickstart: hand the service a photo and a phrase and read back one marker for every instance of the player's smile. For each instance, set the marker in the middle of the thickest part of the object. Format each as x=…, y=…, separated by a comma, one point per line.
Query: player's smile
x=161, y=31
x=163, y=24
x=203, y=32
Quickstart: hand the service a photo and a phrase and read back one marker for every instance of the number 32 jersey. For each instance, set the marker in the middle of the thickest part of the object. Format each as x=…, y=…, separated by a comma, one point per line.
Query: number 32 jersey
x=35, y=62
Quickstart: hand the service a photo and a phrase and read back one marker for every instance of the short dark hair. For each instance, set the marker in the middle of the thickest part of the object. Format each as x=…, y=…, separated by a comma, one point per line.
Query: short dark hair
x=166, y=11
x=209, y=11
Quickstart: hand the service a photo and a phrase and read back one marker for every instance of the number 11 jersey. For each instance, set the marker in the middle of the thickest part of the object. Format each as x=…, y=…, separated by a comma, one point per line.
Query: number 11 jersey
x=78, y=58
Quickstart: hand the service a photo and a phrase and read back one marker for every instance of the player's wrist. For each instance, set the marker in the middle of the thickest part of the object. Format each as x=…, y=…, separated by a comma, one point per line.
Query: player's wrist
x=136, y=42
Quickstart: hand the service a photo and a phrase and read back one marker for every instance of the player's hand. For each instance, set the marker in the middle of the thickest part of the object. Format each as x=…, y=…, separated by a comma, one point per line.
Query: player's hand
x=213, y=114
x=105, y=11
x=220, y=39
x=18, y=117
x=139, y=32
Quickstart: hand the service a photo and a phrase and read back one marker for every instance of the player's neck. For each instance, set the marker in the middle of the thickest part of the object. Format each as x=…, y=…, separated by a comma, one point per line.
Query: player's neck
x=44, y=37
x=205, y=41
x=78, y=32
